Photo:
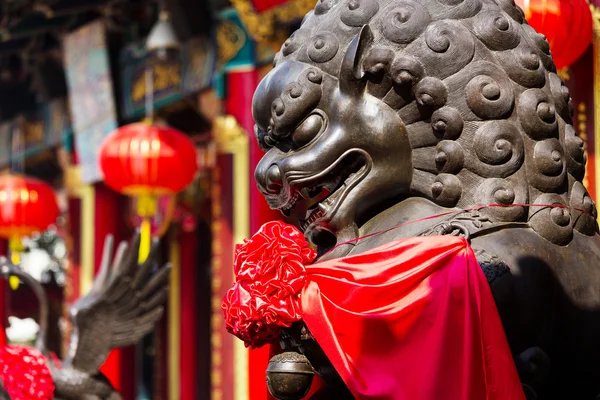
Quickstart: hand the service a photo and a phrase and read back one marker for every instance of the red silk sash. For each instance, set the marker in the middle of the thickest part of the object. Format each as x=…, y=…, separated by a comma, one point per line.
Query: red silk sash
x=411, y=320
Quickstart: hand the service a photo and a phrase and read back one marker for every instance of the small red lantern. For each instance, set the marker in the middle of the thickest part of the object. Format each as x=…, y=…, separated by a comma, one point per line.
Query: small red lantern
x=147, y=161
x=27, y=205
x=567, y=24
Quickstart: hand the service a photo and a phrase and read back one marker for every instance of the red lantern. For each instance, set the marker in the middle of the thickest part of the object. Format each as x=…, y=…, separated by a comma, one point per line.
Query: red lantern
x=27, y=205
x=147, y=161
x=567, y=24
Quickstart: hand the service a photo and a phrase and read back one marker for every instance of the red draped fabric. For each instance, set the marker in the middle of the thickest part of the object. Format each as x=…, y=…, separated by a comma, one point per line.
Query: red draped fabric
x=413, y=319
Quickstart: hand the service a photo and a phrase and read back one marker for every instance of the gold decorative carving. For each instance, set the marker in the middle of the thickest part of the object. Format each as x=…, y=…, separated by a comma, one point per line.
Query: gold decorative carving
x=217, y=269
x=72, y=180
x=230, y=40
x=230, y=138
x=174, y=318
x=228, y=133
x=596, y=52
x=595, y=15
x=564, y=74
x=582, y=128
x=264, y=26
x=165, y=76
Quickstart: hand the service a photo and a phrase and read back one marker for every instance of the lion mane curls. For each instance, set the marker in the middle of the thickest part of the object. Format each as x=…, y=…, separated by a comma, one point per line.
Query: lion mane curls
x=488, y=119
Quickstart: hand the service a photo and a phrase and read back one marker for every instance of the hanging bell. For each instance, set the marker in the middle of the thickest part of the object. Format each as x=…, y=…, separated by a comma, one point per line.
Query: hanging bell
x=289, y=376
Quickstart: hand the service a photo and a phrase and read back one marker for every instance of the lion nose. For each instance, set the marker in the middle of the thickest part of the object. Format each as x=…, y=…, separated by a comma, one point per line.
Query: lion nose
x=274, y=180
x=268, y=177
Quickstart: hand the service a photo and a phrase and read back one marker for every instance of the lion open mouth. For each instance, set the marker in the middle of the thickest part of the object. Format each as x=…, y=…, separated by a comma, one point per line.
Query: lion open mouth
x=316, y=199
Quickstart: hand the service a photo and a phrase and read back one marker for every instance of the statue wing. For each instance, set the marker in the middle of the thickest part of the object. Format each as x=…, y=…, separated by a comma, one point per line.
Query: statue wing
x=123, y=306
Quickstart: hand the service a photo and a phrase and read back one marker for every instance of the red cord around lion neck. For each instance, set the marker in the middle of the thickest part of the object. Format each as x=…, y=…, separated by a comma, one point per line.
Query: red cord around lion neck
x=454, y=212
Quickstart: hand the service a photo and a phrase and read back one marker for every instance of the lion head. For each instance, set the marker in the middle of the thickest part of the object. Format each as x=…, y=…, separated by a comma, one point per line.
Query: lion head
x=456, y=101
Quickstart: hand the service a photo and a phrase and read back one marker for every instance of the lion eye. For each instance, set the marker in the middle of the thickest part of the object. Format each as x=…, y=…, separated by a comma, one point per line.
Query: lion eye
x=308, y=130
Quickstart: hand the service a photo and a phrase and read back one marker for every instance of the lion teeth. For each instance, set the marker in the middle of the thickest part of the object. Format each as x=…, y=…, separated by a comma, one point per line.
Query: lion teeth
x=313, y=218
x=291, y=202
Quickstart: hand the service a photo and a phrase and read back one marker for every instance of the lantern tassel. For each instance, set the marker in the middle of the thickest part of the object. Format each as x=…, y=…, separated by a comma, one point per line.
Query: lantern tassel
x=16, y=247
x=145, y=239
x=146, y=208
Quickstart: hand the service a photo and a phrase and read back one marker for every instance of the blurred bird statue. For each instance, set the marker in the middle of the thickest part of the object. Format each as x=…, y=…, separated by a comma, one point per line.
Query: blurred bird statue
x=124, y=304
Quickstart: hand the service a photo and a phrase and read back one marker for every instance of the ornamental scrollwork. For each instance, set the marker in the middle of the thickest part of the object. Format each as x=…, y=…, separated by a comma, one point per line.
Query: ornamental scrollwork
x=265, y=27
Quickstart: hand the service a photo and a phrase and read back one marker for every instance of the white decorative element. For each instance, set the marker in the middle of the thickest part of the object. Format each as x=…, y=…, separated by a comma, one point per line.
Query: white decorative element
x=22, y=330
x=35, y=263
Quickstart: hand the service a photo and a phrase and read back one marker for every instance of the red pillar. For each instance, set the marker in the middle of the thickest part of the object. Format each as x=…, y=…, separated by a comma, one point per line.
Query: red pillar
x=188, y=332
x=3, y=297
x=241, y=86
x=119, y=368
x=239, y=104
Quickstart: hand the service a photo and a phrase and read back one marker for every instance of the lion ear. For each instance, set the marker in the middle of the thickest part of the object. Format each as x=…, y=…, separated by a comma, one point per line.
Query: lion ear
x=352, y=75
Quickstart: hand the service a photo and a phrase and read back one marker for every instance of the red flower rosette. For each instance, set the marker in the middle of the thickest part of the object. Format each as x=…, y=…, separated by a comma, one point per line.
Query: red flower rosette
x=24, y=374
x=270, y=275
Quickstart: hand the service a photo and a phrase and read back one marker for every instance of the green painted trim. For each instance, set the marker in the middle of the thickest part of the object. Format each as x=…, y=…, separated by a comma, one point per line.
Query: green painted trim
x=67, y=140
x=220, y=86
x=246, y=57
x=228, y=13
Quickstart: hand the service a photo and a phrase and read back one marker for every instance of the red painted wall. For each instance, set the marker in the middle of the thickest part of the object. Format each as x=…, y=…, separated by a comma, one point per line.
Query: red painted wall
x=108, y=219
x=188, y=333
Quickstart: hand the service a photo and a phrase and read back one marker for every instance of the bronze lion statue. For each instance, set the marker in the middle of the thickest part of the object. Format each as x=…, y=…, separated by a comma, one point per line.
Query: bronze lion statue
x=379, y=112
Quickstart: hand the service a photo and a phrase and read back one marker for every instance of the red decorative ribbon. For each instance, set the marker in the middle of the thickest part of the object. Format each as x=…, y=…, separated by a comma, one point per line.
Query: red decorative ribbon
x=455, y=212
x=270, y=274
